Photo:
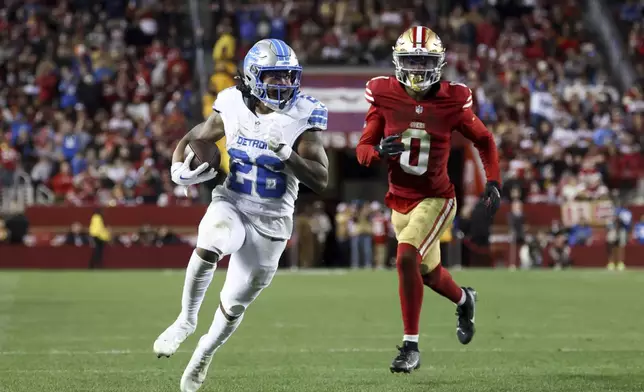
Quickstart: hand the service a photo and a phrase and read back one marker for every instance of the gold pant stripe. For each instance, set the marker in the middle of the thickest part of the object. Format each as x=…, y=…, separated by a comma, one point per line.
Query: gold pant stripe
x=438, y=227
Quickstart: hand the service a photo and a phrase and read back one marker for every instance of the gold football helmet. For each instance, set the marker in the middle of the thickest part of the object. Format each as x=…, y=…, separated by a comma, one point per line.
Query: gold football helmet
x=419, y=57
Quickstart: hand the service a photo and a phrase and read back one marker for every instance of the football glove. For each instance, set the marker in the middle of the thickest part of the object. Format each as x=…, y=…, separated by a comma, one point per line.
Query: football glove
x=182, y=175
x=275, y=141
x=390, y=146
x=492, y=197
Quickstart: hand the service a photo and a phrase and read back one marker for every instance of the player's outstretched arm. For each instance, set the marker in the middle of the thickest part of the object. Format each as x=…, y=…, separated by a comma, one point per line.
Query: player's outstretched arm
x=212, y=130
x=474, y=129
x=367, y=150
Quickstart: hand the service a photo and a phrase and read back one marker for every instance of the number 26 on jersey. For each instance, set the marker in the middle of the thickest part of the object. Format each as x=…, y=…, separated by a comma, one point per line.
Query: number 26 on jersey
x=265, y=181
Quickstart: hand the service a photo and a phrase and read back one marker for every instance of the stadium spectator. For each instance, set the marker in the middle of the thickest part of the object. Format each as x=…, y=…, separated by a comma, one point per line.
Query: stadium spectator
x=4, y=233
x=342, y=238
x=361, y=238
x=146, y=236
x=305, y=240
x=638, y=231
x=380, y=228
x=320, y=226
x=76, y=236
x=559, y=249
x=100, y=235
x=166, y=237
x=8, y=163
x=581, y=234
x=16, y=225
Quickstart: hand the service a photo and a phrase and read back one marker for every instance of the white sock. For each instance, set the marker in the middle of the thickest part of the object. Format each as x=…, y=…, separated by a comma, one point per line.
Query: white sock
x=463, y=298
x=199, y=274
x=410, y=338
x=219, y=332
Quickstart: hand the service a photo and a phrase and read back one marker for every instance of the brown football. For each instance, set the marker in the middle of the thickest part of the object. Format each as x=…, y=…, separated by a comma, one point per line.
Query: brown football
x=205, y=151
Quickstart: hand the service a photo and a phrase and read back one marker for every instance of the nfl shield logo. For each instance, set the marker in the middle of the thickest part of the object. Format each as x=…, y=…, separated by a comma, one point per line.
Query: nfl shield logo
x=419, y=109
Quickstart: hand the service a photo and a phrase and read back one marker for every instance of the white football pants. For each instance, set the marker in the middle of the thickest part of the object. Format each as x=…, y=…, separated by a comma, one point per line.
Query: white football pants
x=254, y=258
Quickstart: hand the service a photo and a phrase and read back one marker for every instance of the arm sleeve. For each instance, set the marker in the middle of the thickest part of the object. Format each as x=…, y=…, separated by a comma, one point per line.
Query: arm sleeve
x=319, y=117
x=473, y=129
x=374, y=130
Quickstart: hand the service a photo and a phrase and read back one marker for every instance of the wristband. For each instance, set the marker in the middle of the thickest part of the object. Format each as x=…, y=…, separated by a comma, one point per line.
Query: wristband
x=284, y=153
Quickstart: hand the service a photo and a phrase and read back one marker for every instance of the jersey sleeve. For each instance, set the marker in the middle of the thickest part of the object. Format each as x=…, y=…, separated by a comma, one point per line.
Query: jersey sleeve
x=373, y=131
x=370, y=92
x=473, y=129
x=223, y=99
x=318, y=117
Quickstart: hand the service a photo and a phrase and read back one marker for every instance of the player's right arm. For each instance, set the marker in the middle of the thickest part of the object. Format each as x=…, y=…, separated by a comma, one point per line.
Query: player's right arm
x=372, y=146
x=374, y=130
x=211, y=130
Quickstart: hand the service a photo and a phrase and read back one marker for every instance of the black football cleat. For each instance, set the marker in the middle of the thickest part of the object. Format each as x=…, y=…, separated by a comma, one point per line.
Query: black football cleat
x=407, y=360
x=465, y=325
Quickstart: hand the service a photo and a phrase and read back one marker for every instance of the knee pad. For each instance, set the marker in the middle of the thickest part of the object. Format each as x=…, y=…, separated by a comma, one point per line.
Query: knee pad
x=221, y=229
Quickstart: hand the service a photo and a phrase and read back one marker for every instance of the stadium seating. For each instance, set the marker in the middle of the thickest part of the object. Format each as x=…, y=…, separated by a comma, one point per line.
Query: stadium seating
x=94, y=100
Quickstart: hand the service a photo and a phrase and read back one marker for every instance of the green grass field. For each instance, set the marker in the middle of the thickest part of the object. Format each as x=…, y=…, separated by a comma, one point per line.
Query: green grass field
x=537, y=331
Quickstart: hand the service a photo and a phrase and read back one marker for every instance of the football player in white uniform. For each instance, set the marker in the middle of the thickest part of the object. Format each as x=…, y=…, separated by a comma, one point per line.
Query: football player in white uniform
x=273, y=138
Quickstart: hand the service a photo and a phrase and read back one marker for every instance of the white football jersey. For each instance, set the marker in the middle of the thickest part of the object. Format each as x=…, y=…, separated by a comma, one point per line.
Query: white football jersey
x=259, y=183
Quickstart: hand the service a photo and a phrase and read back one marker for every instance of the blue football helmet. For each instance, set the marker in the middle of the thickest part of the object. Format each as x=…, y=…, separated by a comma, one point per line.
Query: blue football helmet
x=272, y=74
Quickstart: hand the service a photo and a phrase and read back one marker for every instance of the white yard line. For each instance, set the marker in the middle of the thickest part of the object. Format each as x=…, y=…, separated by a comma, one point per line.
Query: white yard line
x=493, y=369
x=116, y=352
x=427, y=337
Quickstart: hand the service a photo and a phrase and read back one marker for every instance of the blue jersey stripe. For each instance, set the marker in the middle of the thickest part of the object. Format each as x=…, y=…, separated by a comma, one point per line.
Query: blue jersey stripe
x=319, y=117
x=320, y=112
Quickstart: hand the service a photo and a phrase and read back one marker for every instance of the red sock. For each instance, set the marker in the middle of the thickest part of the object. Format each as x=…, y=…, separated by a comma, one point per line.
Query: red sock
x=410, y=286
x=440, y=280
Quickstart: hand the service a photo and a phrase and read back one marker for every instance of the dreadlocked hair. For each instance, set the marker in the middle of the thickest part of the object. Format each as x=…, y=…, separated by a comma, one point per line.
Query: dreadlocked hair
x=250, y=100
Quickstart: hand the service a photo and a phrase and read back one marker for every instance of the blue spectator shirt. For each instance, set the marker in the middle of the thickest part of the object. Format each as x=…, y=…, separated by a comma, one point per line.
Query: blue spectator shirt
x=638, y=232
x=579, y=234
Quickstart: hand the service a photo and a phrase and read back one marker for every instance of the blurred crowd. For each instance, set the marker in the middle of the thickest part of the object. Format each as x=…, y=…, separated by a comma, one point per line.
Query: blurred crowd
x=93, y=95
x=558, y=241
x=358, y=234
x=146, y=235
x=564, y=131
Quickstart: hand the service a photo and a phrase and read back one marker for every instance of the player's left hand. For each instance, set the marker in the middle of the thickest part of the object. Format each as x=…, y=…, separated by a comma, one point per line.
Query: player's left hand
x=275, y=142
x=390, y=146
x=492, y=197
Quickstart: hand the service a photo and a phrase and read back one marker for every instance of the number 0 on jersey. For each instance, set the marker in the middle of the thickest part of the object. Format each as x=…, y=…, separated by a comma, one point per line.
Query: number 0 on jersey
x=415, y=159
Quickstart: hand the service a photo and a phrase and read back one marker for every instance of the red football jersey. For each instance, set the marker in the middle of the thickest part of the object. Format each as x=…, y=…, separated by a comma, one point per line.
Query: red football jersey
x=425, y=127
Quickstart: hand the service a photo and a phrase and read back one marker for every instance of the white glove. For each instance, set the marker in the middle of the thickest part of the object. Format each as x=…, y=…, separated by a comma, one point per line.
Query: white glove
x=182, y=175
x=276, y=144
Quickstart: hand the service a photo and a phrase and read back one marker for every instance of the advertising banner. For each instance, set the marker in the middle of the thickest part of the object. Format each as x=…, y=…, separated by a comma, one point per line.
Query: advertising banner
x=342, y=92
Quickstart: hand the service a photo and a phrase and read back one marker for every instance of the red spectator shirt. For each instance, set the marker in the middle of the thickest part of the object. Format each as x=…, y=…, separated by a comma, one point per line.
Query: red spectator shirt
x=379, y=226
x=425, y=127
x=8, y=157
x=62, y=183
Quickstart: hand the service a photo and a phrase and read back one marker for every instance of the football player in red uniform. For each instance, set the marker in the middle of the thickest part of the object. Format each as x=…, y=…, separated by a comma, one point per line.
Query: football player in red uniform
x=409, y=126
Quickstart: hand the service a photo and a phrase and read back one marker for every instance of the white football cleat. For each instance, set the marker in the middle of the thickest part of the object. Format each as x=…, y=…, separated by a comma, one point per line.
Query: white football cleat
x=169, y=341
x=195, y=372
